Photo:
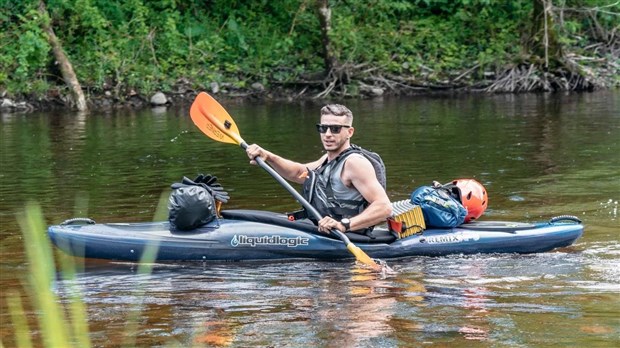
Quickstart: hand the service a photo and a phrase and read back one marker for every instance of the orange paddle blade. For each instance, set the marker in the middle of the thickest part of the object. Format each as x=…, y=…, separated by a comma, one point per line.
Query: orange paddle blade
x=213, y=120
x=362, y=257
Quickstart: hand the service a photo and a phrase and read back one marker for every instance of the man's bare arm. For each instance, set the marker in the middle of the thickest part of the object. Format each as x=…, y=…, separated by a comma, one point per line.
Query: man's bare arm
x=290, y=170
x=359, y=173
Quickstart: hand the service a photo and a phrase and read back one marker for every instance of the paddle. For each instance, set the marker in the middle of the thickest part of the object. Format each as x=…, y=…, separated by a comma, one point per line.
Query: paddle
x=215, y=122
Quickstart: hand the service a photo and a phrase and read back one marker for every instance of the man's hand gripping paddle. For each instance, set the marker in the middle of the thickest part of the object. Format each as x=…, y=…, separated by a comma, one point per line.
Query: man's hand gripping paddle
x=215, y=122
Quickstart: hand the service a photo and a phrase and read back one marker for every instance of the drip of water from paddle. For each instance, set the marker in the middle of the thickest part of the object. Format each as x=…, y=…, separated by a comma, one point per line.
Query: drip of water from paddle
x=177, y=137
x=385, y=268
x=383, y=271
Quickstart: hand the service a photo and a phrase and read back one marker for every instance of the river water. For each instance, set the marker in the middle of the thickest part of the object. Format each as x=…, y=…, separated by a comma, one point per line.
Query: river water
x=539, y=156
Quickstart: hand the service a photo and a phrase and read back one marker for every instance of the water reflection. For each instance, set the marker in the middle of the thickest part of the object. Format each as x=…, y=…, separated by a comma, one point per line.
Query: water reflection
x=538, y=155
x=226, y=300
x=482, y=298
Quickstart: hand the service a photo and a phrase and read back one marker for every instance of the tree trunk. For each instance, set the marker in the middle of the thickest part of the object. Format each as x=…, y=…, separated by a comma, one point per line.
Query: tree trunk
x=325, y=18
x=544, y=37
x=66, y=68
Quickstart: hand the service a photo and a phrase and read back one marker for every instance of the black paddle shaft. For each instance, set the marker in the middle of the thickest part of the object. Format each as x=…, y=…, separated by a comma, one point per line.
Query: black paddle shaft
x=312, y=210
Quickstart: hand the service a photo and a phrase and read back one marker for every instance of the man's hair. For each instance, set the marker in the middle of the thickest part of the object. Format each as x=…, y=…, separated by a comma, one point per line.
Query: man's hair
x=337, y=110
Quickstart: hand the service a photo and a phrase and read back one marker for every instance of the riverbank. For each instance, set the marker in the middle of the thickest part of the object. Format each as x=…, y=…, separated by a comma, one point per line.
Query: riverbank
x=184, y=92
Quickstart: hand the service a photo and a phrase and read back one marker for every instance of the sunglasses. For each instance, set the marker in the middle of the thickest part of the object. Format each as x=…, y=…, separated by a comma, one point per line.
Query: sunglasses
x=334, y=128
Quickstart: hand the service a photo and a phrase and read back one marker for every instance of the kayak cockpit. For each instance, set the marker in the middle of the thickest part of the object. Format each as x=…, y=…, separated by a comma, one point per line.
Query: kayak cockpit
x=378, y=235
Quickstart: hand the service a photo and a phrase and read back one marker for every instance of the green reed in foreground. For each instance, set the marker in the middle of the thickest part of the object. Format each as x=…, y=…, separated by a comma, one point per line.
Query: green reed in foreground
x=61, y=326
x=55, y=330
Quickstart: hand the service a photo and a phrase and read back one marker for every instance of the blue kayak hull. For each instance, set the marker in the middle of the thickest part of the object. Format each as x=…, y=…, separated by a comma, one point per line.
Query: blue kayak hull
x=228, y=239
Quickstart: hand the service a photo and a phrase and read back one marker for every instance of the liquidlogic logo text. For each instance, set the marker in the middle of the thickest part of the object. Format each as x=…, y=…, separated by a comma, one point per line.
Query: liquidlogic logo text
x=244, y=240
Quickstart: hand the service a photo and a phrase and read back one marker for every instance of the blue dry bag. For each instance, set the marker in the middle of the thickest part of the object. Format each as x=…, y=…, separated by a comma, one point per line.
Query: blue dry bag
x=440, y=209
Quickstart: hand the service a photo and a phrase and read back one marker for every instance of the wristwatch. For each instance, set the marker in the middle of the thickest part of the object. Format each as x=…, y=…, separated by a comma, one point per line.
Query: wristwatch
x=346, y=223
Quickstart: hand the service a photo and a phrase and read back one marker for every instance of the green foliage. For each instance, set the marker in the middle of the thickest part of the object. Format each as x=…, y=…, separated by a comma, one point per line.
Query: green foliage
x=64, y=323
x=42, y=272
x=144, y=45
x=432, y=38
x=25, y=48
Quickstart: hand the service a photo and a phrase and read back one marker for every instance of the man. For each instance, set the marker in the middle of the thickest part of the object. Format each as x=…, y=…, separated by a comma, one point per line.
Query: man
x=354, y=191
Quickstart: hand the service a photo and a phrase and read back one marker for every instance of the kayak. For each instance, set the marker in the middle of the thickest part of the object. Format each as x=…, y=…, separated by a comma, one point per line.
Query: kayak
x=240, y=235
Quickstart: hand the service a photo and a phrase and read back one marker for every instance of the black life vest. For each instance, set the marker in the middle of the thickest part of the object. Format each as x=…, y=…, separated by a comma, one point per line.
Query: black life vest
x=319, y=187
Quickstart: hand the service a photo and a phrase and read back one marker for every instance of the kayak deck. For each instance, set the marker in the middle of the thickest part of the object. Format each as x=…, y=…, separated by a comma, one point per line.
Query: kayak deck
x=257, y=235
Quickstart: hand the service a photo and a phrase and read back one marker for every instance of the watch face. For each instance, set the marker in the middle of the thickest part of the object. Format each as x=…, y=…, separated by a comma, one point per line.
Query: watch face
x=345, y=221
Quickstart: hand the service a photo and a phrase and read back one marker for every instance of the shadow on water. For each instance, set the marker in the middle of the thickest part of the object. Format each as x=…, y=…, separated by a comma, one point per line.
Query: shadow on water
x=538, y=155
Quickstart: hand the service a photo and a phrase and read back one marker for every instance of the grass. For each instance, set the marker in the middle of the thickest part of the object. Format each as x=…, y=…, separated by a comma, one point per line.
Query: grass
x=59, y=325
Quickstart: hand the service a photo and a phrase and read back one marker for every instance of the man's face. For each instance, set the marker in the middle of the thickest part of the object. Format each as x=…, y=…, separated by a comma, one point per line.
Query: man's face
x=335, y=137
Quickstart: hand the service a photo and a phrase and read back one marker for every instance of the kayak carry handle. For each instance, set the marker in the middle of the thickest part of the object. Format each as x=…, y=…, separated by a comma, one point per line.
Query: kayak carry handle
x=564, y=218
x=75, y=221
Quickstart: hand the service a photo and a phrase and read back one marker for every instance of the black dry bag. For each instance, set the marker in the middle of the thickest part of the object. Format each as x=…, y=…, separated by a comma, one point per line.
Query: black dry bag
x=190, y=205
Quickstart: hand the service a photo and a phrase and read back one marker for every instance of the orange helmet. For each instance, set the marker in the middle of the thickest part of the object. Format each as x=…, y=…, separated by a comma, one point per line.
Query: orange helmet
x=473, y=197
